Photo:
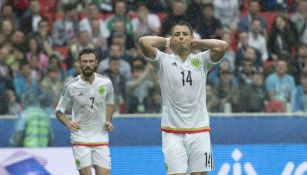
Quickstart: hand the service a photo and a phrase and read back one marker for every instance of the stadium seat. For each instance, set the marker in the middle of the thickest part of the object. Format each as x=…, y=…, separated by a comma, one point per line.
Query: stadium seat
x=62, y=50
x=269, y=17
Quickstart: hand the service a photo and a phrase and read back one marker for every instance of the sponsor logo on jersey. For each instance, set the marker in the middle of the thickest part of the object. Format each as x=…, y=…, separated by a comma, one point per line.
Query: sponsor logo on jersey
x=195, y=62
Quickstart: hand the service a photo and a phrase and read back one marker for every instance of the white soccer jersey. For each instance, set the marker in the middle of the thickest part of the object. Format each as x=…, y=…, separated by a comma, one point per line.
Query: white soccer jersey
x=183, y=86
x=89, y=102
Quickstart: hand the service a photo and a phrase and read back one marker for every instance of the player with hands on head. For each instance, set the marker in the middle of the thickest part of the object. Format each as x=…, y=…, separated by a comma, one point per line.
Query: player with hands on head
x=92, y=99
x=185, y=120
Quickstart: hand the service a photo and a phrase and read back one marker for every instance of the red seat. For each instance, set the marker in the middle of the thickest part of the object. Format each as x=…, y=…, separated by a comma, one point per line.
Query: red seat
x=269, y=17
x=62, y=50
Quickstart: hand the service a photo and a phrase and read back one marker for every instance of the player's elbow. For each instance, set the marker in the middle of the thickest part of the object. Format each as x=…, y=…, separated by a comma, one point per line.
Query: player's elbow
x=223, y=46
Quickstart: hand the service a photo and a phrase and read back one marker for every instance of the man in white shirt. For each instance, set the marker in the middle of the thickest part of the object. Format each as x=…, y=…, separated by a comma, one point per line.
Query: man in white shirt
x=92, y=99
x=185, y=120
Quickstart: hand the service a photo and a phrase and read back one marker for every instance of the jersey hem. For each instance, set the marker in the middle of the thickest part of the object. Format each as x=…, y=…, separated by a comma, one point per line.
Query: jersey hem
x=185, y=130
x=90, y=144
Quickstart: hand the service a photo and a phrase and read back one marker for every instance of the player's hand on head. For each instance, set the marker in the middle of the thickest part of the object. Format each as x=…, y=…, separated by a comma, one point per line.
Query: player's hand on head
x=74, y=126
x=108, y=126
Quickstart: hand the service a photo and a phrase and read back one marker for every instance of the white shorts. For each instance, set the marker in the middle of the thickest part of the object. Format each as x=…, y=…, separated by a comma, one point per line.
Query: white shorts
x=187, y=153
x=92, y=155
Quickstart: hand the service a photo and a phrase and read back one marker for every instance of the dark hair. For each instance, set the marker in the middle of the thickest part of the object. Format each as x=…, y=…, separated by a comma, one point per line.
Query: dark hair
x=87, y=51
x=69, y=7
x=182, y=23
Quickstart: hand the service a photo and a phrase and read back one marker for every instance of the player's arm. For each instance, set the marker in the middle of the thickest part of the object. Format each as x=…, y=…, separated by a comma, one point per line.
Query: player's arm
x=71, y=125
x=217, y=47
x=149, y=45
x=109, y=116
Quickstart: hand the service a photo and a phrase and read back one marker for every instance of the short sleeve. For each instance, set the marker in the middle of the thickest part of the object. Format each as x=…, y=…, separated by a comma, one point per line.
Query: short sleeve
x=206, y=58
x=65, y=100
x=110, y=94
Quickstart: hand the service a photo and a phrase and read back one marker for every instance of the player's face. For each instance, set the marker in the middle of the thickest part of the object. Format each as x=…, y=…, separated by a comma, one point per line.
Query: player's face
x=88, y=64
x=181, y=39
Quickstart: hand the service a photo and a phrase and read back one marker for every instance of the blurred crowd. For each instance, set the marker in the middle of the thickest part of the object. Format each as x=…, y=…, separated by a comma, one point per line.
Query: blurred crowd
x=264, y=70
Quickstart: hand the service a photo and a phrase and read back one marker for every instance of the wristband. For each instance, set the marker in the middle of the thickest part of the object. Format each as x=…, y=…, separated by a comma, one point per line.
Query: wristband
x=168, y=42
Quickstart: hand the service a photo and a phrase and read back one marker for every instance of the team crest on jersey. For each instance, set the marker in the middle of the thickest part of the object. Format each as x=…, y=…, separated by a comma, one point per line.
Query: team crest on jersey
x=195, y=62
x=101, y=90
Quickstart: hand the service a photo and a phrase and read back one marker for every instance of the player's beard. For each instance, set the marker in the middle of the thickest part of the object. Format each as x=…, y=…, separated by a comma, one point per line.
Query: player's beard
x=87, y=72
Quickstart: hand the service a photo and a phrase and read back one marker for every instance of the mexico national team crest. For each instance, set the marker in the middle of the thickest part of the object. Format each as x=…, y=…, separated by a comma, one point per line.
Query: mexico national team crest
x=102, y=90
x=195, y=62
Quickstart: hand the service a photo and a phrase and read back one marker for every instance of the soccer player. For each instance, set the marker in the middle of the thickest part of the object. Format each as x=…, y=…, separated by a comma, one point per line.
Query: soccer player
x=185, y=121
x=92, y=99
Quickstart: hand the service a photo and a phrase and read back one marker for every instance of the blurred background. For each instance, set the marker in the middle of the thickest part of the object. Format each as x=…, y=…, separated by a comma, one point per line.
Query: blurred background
x=257, y=96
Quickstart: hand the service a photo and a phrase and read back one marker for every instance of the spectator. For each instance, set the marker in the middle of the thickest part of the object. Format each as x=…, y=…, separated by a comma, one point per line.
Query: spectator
x=205, y=24
x=93, y=14
x=14, y=108
x=153, y=103
x=25, y=81
x=300, y=95
x=227, y=90
x=281, y=37
x=229, y=55
x=138, y=86
x=43, y=36
x=300, y=20
x=35, y=56
x=31, y=17
x=7, y=29
x=120, y=13
x=33, y=127
x=145, y=23
x=253, y=95
x=18, y=42
x=98, y=38
x=56, y=60
x=214, y=74
x=52, y=85
x=7, y=13
x=74, y=49
x=119, y=84
x=246, y=72
x=5, y=85
x=65, y=29
x=74, y=71
x=299, y=63
x=213, y=102
x=279, y=84
x=257, y=40
x=228, y=12
x=194, y=9
x=11, y=57
x=179, y=13
x=119, y=27
x=245, y=50
x=253, y=13
x=116, y=52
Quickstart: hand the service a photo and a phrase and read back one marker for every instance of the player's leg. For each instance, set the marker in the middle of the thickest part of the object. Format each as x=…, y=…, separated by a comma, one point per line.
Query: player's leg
x=85, y=171
x=199, y=173
x=199, y=153
x=101, y=171
x=83, y=158
x=175, y=154
x=102, y=160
